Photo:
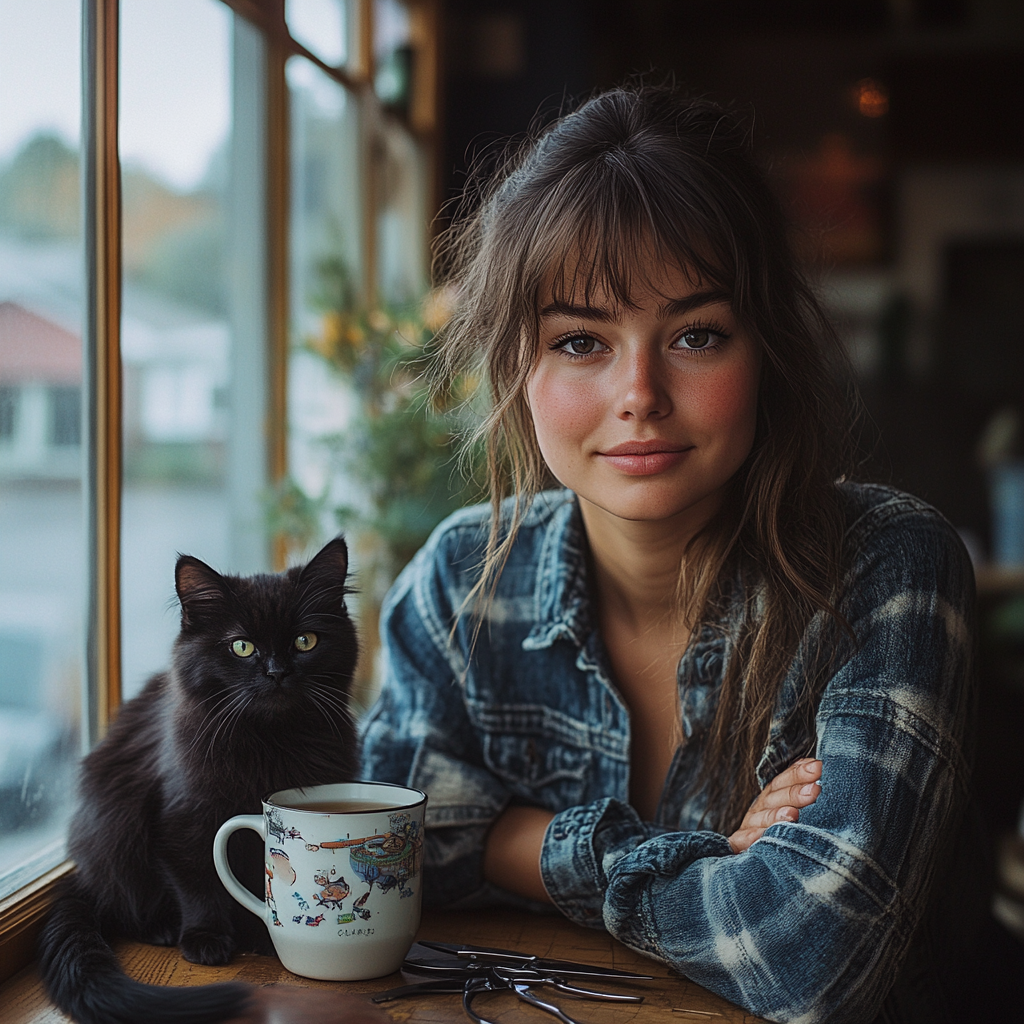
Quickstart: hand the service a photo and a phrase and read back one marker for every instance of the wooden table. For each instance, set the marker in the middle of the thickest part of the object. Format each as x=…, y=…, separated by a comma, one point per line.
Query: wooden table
x=667, y=999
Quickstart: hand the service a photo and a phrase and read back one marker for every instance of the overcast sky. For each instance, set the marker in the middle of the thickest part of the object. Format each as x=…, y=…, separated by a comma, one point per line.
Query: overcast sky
x=175, y=79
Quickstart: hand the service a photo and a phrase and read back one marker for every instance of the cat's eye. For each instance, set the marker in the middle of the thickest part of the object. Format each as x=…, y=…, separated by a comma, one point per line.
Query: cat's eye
x=305, y=641
x=243, y=648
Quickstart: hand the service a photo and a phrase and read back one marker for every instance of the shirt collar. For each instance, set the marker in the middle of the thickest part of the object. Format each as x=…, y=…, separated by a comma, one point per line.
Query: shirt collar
x=562, y=605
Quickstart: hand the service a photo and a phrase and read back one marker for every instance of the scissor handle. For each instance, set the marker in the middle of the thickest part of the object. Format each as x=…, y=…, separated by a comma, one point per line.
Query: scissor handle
x=473, y=987
x=522, y=989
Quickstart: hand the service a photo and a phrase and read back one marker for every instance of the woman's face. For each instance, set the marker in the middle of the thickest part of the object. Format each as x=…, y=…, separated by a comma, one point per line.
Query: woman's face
x=646, y=412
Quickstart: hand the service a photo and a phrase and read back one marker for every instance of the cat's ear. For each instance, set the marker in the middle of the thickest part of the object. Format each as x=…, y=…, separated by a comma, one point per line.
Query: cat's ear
x=200, y=589
x=329, y=563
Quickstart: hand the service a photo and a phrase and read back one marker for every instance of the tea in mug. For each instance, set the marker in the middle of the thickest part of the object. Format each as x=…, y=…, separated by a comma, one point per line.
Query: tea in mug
x=341, y=806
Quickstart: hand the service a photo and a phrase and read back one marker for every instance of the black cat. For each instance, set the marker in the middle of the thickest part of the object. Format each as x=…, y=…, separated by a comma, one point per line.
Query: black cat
x=256, y=700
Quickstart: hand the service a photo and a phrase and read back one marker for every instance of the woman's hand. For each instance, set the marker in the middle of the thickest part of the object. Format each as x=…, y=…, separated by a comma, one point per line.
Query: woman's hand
x=780, y=800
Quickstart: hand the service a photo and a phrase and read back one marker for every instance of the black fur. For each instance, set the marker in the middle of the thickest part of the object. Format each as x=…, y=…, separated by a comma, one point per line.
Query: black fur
x=201, y=743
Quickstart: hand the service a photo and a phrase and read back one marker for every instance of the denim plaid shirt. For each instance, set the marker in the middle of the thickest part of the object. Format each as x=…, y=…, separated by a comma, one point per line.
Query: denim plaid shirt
x=817, y=921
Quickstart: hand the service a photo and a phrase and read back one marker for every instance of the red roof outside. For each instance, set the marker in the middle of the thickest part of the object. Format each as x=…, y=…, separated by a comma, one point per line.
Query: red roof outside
x=33, y=348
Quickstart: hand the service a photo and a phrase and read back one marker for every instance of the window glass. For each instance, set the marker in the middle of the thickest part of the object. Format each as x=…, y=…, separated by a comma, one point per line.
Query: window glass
x=327, y=28
x=42, y=537
x=401, y=215
x=392, y=54
x=326, y=271
x=175, y=136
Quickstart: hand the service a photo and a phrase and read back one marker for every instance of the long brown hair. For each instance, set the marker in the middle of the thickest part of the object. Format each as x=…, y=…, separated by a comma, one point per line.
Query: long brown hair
x=644, y=171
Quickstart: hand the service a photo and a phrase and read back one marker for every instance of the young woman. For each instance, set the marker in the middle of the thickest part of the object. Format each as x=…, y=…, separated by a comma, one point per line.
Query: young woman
x=699, y=691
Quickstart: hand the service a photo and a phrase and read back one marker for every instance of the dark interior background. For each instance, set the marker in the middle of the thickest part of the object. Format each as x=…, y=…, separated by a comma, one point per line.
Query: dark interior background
x=894, y=131
x=937, y=360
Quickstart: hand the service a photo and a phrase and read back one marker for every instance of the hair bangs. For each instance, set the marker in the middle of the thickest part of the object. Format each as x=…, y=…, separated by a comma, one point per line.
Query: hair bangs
x=606, y=226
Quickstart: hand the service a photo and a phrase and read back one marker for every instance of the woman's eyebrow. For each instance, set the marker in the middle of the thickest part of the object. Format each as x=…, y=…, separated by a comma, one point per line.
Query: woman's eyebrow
x=575, y=312
x=674, y=307
x=677, y=307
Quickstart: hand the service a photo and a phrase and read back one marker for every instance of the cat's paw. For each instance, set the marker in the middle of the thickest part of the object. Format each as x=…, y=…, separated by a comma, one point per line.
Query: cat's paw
x=202, y=946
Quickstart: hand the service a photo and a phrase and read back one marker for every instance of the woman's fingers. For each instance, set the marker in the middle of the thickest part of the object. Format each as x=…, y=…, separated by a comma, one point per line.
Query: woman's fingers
x=798, y=795
x=743, y=838
x=770, y=816
x=798, y=784
x=781, y=800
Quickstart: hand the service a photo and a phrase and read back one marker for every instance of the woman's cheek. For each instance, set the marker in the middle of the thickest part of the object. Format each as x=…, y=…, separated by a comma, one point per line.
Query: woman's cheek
x=726, y=400
x=562, y=411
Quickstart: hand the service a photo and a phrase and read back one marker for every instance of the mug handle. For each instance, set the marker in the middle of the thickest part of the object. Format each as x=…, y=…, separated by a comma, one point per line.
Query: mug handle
x=220, y=860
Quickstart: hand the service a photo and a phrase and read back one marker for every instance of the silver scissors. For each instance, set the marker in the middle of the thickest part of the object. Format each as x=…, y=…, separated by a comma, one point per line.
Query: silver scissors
x=473, y=970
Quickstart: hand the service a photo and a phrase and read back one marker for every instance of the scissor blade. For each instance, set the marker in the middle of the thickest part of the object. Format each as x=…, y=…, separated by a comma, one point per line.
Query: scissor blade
x=467, y=952
x=510, y=958
x=439, y=985
x=422, y=959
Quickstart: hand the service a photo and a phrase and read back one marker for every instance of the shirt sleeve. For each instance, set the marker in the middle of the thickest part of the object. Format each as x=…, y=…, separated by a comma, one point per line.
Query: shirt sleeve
x=812, y=922
x=418, y=733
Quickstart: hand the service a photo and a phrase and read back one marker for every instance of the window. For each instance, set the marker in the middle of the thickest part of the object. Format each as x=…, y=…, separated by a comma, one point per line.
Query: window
x=149, y=379
x=8, y=413
x=179, y=351
x=42, y=555
x=65, y=417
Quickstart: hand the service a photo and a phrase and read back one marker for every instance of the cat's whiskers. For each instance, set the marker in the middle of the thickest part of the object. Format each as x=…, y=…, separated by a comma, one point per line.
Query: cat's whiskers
x=238, y=711
x=230, y=714
x=331, y=701
x=213, y=713
x=322, y=683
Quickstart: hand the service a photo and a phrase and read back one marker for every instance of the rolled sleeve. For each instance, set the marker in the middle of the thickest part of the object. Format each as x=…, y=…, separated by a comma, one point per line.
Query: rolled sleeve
x=586, y=846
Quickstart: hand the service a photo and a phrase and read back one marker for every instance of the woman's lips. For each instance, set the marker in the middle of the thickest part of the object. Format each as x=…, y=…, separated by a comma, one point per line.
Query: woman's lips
x=645, y=458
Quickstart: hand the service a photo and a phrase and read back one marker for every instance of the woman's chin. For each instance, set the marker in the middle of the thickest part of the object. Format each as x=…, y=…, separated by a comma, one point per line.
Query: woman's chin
x=651, y=504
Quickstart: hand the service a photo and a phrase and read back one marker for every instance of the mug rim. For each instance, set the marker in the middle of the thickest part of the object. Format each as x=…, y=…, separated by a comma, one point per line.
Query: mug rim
x=269, y=801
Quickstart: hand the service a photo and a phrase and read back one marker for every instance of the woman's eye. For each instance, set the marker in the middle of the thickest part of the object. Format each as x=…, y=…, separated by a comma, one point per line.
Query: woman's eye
x=305, y=641
x=243, y=648
x=578, y=345
x=698, y=338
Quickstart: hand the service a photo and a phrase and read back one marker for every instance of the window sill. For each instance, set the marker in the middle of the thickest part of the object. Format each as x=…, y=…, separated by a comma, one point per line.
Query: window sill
x=21, y=917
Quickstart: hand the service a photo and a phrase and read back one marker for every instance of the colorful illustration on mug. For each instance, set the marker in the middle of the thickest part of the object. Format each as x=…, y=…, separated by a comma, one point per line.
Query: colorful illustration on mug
x=303, y=905
x=331, y=893
x=283, y=866
x=387, y=861
x=271, y=903
x=313, y=922
x=276, y=827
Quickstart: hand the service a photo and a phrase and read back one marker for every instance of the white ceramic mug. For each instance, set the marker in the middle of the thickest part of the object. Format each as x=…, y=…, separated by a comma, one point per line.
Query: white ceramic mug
x=343, y=888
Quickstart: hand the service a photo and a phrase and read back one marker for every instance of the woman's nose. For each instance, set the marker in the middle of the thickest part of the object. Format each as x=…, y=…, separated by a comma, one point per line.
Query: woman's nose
x=642, y=391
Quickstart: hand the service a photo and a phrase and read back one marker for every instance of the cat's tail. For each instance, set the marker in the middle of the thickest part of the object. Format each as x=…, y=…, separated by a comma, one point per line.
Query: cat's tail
x=83, y=976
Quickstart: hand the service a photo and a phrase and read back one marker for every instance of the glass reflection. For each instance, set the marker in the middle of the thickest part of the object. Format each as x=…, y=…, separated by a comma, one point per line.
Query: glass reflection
x=175, y=334
x=327, y=261
x=324, y=27
x=42, y=542
x=392, y=54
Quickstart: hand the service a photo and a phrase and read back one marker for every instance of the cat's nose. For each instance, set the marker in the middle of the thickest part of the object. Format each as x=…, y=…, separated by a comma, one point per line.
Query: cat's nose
x=274, y=669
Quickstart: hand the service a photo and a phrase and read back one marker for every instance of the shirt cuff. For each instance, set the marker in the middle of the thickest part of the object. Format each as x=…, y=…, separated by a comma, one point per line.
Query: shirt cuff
x=631, y=907
x=597, y=859
x=580, y=847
